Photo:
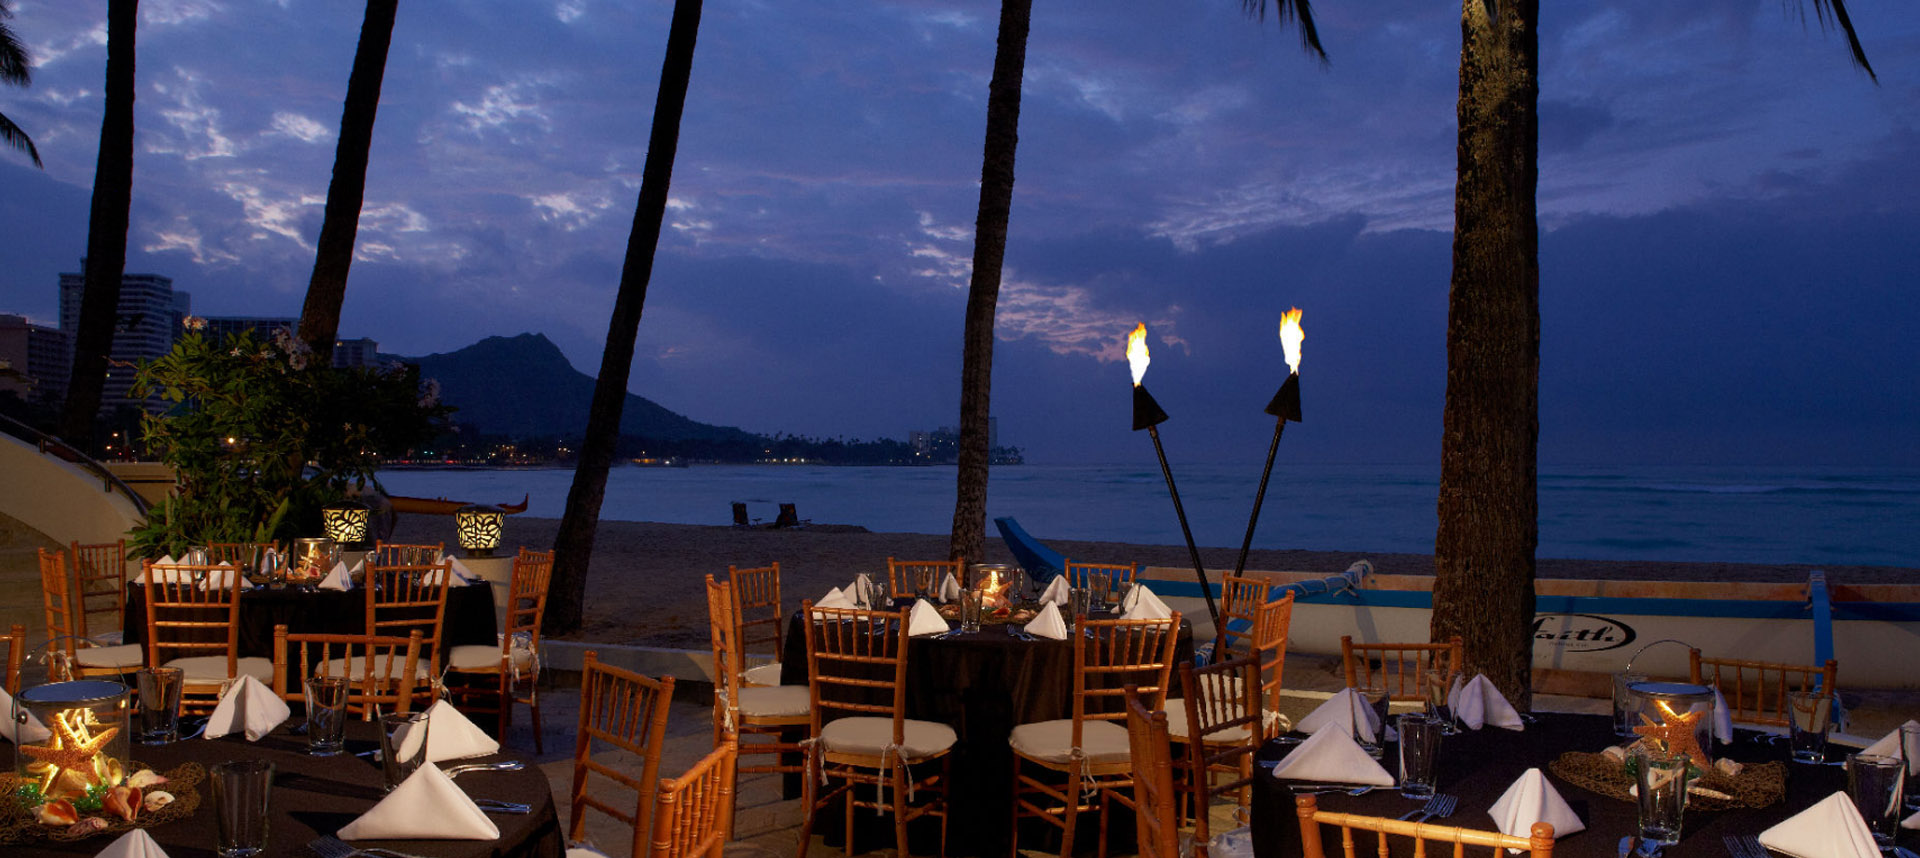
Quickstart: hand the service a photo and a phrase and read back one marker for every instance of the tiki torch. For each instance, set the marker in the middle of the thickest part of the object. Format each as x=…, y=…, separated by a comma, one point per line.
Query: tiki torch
x=1148, y=415
x=1284, y=406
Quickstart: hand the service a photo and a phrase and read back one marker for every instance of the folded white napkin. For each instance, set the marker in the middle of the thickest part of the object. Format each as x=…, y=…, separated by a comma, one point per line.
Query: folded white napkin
x=834, y=599
x=1832, y=828
x=425, y=806
x=925, y=620
x=32, y=731
x=1889, y=746
x=1331, y=756
x=1342, y=711
x=1722, y=718
x=134, y=844
x=459, y=579
x=248, y=706
x=862, y=591
x=1056, y=592
x=462, y=575
x=451, y=736
x=1478, y=704
x=949, y=589
x=1532, y=799
x=1048, y=624
x=1142, y=604
x=337, y=579
x=1911, y=822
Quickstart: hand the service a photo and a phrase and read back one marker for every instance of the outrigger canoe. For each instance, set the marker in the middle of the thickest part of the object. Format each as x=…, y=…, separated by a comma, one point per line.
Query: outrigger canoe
x=1585, y=629
x=442, y=506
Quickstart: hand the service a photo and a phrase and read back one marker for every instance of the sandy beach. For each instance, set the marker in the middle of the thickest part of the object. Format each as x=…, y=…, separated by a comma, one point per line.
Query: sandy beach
x=645, y=584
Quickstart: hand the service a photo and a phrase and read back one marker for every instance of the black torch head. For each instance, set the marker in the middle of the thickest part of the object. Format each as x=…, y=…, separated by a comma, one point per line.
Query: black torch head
x=1286, y=403
x=1146, y=412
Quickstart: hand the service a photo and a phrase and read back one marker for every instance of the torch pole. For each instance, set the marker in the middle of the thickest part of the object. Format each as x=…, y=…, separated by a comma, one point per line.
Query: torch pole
x=1260, y=496
x=1199, y=569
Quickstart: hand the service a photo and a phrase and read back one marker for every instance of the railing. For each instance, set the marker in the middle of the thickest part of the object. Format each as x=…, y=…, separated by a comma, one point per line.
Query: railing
x=51, y=446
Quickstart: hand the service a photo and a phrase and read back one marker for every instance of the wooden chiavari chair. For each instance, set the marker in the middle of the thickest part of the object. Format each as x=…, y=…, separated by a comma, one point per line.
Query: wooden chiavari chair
x=1102, y=578
x=625, y=711
x=903, y=575
x=1539, y=845
x=402, y=598
x=742, y=710
x=1271, y=625
x=16, y=655
x=758, y=617
x=381, y=671
x=693, y=813
x=406, y=554
x=1156, y=824
x=1756, y=691
x=1399, y=667
x=193, y=623
x=1240, y=601
x=1090, y=749
x=100, y=589
x=515, y=663
x=1222, y=721
x=63, y=614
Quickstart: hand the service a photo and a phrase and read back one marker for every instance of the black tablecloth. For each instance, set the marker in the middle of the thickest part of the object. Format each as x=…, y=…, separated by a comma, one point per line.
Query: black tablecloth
x=1478, y=766
x=469, y=618
x=318, y=795
x=983, y=685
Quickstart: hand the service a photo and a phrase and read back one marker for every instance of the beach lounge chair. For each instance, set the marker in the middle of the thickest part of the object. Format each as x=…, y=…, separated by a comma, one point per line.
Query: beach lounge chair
x=740, y=518
x=790, y=517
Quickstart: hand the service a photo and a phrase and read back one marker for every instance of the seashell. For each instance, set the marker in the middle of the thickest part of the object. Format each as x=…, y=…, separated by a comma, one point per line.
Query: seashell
x=111, y=771
x=57, y=812
x=87, y=826
x=146, y=778
x=69, y=783
x=122, y=801
x=1728, y=767
x=157, y=799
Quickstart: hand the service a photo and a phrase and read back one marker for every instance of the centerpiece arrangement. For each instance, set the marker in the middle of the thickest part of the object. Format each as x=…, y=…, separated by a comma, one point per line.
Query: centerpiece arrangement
x=75, y=780
x=1675, y=720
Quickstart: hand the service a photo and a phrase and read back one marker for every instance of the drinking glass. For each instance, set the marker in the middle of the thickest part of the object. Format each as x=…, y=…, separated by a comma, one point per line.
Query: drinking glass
x=1910, y=751
x=1079, y=604
x=970, y=610
x=1624, y=707
x=1438, y=688
x=159, y=704
x=923, y=583
x=1812, y=714
x=1661, y=779
x=326, y=698
x=1376, y=699
x=1419, y=744
x=240, y=799
x=403, y=745
x=1873, y=782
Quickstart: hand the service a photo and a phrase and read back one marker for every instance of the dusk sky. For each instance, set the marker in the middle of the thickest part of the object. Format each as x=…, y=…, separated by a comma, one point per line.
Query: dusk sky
x=1729, y=208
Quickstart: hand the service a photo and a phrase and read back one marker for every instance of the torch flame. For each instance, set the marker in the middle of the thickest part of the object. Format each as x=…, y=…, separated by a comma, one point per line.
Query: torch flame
x=1290, y=337
x=1137, y=353
x=993, y=593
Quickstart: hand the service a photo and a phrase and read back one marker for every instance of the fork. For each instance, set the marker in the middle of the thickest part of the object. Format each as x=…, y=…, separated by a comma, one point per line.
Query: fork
x=1442, y=807
x=1753, y=847
x=502, y=766
x=1427, y=810
x=328, y=846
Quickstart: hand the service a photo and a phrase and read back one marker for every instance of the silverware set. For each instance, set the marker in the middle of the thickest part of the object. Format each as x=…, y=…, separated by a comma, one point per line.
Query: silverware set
x=1440, y=806
x=328, y=846
x=502, y=766
x=1016, y=631
x=1744, y=846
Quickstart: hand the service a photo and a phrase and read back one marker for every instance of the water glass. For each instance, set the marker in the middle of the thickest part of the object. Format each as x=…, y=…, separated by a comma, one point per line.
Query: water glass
x=1438, y=686
x=1910, y=751
x=159, y=714
x=1376, y=699
x=970, y=609
x=1625, y=709
x=1873, y=782
x=1661, y=779
x=326, y=698
x=1079, y=604
x=1419, y=745
x=1812, y=716
x=403, y=745
x=240, y=801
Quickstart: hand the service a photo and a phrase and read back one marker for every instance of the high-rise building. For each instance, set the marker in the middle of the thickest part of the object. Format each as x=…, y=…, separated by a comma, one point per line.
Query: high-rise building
x=150, y=316
x=220, y=327
x=360, y=352
x=39, y=358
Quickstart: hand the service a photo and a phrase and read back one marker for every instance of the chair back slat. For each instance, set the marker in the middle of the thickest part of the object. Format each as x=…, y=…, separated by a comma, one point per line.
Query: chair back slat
x=693, y=814
x=100, y=586
x=626, y=711
x=1756, y=691
x=16, y=654
x=1401, y=668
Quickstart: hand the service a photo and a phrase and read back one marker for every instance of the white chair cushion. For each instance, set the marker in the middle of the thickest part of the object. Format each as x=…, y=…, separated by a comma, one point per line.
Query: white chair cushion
x=475, y=657
x=128, y=656
x=338, y=667
x=776, y=701
x=764, y=674
x=870, y=736
x=1052, y=741
x=584, y=852
x=213, y=668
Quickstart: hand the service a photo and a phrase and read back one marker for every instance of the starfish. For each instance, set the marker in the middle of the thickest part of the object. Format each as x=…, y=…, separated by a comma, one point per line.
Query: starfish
x=1677, y=735
x=67, y=749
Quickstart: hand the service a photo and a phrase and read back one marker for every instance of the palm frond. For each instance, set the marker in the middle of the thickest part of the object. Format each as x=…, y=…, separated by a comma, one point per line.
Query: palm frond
x=1837, y=10
x=1301, y=12
x=13, y=136
x=16, y=65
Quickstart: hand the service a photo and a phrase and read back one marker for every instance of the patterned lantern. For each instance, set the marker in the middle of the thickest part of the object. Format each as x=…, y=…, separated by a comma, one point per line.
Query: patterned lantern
x=479, y=528
x=346, y=522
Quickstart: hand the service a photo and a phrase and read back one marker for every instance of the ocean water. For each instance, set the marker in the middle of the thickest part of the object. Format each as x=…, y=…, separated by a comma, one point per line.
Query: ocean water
x=1823, y=516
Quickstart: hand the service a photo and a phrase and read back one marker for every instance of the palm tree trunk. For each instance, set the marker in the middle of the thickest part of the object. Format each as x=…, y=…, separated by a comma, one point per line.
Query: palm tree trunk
x=983, y=293
x=573, y=546
x=320, y=315
x=106, y=231
x=1484, y=549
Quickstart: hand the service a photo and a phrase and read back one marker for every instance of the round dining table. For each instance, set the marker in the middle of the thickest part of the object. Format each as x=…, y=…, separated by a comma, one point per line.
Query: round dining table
x=1478, y=766
x=983, y=684
x=469, y=618
x=316, y=796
